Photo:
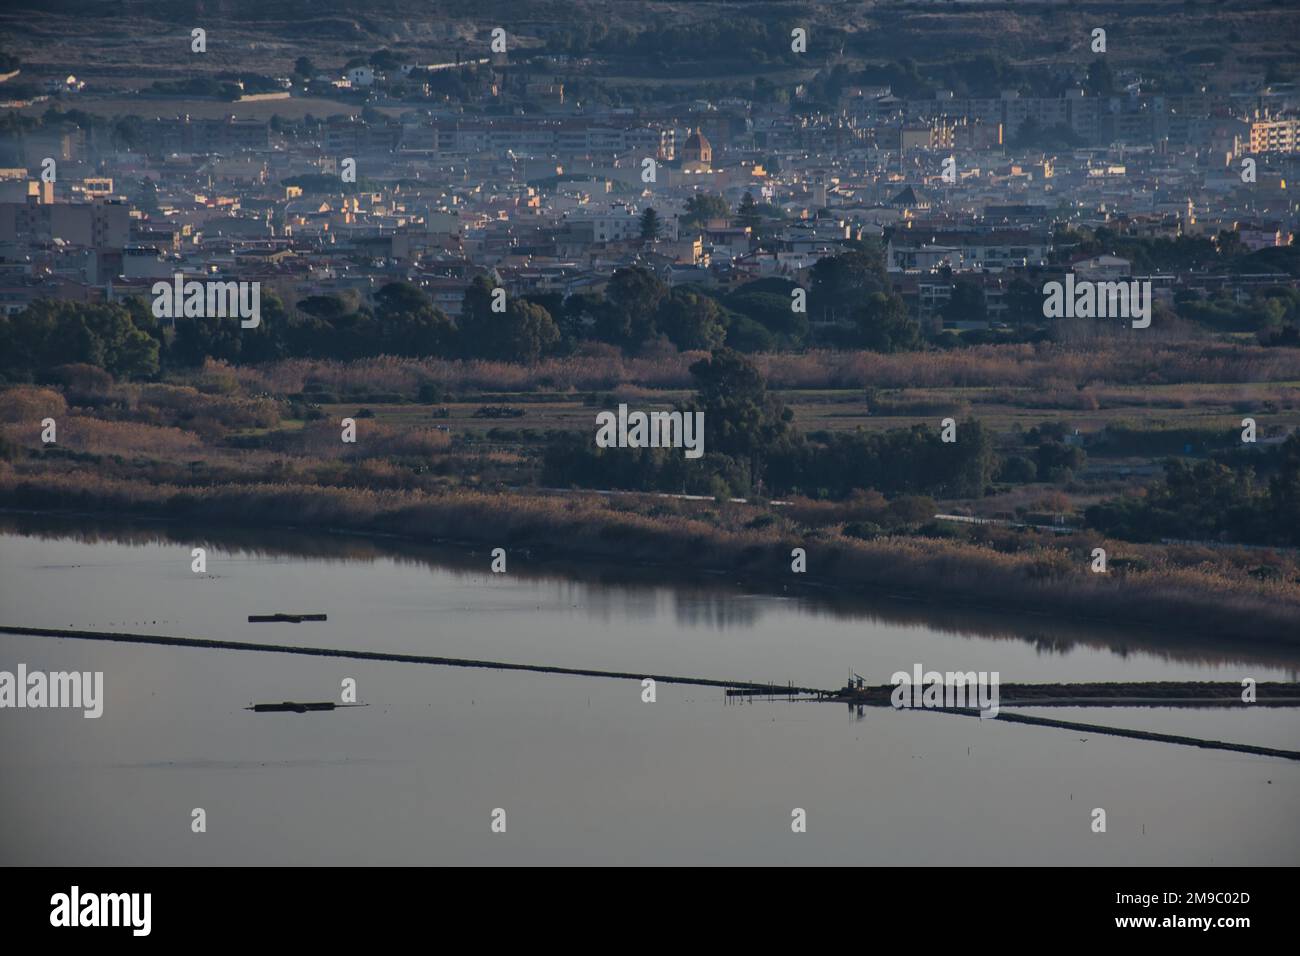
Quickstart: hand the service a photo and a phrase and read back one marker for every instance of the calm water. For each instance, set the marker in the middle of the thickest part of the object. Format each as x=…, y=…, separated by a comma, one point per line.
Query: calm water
x=586, y=772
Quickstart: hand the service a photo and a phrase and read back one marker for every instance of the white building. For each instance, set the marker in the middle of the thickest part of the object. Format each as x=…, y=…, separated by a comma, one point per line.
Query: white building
x=1103, y=268
x=360, y=76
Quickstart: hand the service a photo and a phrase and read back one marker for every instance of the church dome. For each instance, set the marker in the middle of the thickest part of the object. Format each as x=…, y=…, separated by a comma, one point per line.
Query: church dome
x=697, y=147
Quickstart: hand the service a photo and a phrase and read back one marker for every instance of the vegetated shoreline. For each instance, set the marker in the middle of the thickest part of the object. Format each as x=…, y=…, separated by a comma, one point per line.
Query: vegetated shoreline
x=588, y=528
x=1102, y=360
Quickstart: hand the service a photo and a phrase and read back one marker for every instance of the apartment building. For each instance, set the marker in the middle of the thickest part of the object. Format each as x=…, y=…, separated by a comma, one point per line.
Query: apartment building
x=1274, y=135
x=102, y=225
x=186, y=134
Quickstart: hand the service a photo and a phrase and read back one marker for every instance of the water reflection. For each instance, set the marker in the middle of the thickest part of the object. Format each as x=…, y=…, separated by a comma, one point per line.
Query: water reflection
x=612, y=594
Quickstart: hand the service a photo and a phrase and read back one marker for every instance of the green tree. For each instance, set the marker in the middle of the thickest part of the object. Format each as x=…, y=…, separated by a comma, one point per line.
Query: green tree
x=522, y=333
x=632, y=299
x=974, y=462
x=409, y=325
x=477, y=320
x=579, y=316
x=840, y=283
x=1284, y=493
x=332, y=326
x=966, y=304
x=651, y=227
x=385, y=60
x=747, y=214
x=128, y=132
x=49, y=333
x=702, y=207
x=199, y=338
x=741, y=418
x=527, y=332
x=691, y=320
x=883, y=324
x=767, y=302
x=1024, y=303
x=746, y=335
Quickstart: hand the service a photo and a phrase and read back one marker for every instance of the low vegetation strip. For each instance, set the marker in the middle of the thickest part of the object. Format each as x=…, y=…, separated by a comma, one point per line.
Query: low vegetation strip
x=989, y=366
x=1046, y=579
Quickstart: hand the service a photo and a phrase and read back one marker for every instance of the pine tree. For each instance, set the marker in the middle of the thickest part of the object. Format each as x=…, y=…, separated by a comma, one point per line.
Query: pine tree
x=650, y=225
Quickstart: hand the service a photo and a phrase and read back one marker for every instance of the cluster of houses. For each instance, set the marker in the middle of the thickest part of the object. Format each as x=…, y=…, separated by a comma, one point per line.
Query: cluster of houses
x=555, y=200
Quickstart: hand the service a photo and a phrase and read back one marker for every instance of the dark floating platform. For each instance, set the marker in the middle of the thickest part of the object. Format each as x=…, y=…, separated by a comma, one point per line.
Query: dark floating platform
x=293, y=707
x=289, y=618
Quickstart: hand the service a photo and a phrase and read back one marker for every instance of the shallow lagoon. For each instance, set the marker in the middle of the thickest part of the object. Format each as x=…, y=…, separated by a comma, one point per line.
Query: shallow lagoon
x=585, y=771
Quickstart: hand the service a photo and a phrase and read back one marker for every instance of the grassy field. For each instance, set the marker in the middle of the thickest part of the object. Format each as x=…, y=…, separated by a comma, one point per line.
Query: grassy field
x=1276, y=408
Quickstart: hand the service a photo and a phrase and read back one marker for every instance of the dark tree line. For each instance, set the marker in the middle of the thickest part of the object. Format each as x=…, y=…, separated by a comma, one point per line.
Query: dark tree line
x=848, y=295
x=752, y=447
x=1247, y=498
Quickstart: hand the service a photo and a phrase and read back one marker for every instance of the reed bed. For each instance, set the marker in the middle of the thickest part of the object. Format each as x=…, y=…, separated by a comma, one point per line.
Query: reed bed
x=1203, y=599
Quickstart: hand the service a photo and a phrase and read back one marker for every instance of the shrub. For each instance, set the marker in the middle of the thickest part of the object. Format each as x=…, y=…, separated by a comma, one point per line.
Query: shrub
x=82, y=379
x=864, y=530
x=1017, y=470
x=27, y=405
